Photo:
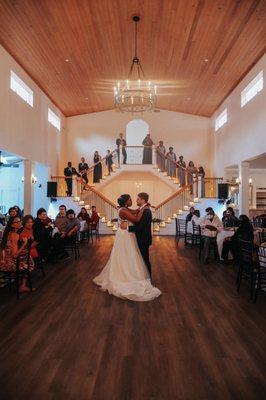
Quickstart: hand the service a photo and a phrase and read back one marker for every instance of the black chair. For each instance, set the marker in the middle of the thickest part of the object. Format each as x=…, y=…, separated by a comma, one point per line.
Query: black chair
x=72, y=244
x=247, y=265
x=262, y=235
x=181, y=230
x=257, y=222
x=261, y=274
x=93, y=230
x=196, y=234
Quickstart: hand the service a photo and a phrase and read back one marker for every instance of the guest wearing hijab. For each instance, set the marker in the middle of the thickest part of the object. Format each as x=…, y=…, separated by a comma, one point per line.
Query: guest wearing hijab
x=244, y=232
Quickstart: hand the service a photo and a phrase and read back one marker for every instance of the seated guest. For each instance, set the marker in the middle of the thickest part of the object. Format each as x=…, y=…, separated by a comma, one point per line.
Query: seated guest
x=19, y=212
x=196, y=217
x=210, y=225
x=73, y=224
x=83, y=215
x=61, y=219
x=42, y=233
x=12, y=212
x=244, y=232
x=27, y=233
x=190, y=214
x=10, y=251
x=94, y=219
x=49, y=248
x=229, y=219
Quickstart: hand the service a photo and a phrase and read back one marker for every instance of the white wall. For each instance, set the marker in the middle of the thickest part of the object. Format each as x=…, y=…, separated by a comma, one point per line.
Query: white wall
x=24, y=130
x=244, y=134
x=190, y=135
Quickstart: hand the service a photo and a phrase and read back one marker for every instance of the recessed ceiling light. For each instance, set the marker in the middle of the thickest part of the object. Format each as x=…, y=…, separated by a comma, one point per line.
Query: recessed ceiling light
x=206, y=60
x=66, y=60
x=86, y=98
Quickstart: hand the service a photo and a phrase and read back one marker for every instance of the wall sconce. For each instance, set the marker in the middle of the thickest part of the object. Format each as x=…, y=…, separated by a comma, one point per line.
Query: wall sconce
x=250, y=181
x=238, y=181
x=22, y=179
x=33, y=179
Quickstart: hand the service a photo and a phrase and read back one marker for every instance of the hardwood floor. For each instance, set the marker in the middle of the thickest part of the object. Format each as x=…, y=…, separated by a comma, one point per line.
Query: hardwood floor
x=199, y=340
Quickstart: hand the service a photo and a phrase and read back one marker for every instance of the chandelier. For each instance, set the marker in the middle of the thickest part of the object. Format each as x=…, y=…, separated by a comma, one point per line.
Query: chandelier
x=135, y=95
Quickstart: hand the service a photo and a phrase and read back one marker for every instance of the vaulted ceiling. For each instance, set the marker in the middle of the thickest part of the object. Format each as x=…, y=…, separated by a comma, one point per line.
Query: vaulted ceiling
x=196, y=50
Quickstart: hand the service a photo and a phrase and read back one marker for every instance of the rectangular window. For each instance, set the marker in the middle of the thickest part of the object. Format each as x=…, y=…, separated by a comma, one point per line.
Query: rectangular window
x=221, y=120
x=20, y=87
x=54, y=119
x=253, y=88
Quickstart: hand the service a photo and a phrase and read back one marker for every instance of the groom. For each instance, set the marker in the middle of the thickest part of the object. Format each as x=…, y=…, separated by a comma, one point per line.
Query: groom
x=142, y=229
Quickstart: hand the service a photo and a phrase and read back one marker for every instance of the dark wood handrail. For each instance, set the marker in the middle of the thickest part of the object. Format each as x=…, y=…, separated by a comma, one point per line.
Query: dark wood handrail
x=89, y=187
x=177, y=193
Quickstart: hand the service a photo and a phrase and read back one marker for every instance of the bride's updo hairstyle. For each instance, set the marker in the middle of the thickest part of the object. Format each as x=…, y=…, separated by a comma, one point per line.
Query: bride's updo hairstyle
x=123, y=199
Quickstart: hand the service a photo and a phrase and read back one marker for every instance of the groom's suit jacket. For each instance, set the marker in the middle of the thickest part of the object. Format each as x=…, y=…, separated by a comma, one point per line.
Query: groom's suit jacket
x=143, y=229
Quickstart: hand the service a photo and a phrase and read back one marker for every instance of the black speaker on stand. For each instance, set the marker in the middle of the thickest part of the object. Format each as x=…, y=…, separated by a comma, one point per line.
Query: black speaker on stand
x=223, y=191
x=51, y=189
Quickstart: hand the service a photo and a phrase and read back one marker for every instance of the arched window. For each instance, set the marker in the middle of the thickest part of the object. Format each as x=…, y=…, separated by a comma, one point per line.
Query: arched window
x=136, y=130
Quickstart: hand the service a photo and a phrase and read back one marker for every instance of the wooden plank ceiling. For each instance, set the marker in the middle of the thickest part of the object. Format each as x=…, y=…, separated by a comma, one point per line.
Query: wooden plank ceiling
x=196, y=50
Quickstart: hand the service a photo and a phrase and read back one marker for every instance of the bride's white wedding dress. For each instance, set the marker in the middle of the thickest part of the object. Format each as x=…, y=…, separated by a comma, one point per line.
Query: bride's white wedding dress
x=125, y=274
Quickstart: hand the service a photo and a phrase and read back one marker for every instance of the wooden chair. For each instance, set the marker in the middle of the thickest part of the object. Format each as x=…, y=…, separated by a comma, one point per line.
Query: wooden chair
x=181, y=230
x=247, y=265
x=261, y=274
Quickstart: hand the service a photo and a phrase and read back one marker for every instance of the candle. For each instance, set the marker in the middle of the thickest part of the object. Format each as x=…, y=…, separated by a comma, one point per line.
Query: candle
x=174, y=215
x=180, y=212
x=87, y=206
x=185, y=208
x=196, y=200
x=191, y=203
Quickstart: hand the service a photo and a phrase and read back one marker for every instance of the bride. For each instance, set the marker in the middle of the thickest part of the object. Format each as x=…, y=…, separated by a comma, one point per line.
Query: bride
x=125, y=274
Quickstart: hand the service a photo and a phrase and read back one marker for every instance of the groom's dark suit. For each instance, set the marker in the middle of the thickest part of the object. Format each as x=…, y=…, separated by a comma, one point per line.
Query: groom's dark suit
x=142, y=230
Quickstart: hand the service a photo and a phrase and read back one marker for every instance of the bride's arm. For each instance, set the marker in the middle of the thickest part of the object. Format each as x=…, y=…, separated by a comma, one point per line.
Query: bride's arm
x=127, y=214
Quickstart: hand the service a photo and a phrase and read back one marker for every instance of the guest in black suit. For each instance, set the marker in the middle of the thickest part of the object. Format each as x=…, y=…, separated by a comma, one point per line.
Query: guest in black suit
x=83, y=169
x=121, y=142
x=142, y=229
x=69, y=171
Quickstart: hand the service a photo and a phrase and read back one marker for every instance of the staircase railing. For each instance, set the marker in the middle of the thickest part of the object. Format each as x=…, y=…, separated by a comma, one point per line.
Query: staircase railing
x=105, y=207
x=99, y=170
x=175, y=204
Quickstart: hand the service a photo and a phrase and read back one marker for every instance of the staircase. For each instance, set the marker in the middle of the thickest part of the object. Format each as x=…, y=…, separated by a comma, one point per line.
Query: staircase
x=168, y=170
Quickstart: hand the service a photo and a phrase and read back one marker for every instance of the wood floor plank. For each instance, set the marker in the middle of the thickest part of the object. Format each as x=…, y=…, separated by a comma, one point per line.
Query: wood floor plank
x=200, y=340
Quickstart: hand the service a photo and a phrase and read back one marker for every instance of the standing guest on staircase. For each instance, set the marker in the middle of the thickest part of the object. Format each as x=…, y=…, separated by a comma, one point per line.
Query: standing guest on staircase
x=83, y=169
x=201, y=173
x=191, y=170
x=181, y=171
x=121, y=142
x=97, y=169
x=109, y=161
x=161, y=150
x=171, y=162
x=147, y=152
x=69, y=171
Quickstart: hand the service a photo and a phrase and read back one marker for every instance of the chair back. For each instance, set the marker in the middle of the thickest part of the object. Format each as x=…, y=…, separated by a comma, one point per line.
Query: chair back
x=245, y=253
x=196, y=229
x=262, y=257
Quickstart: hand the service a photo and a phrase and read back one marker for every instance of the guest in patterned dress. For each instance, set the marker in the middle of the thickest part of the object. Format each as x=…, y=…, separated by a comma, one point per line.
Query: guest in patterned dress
x=27, y=233
x=11, y=249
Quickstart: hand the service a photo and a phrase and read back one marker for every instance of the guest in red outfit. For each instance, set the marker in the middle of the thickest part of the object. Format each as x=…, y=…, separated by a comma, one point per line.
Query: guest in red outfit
x=27, y=233
x=94, y=219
